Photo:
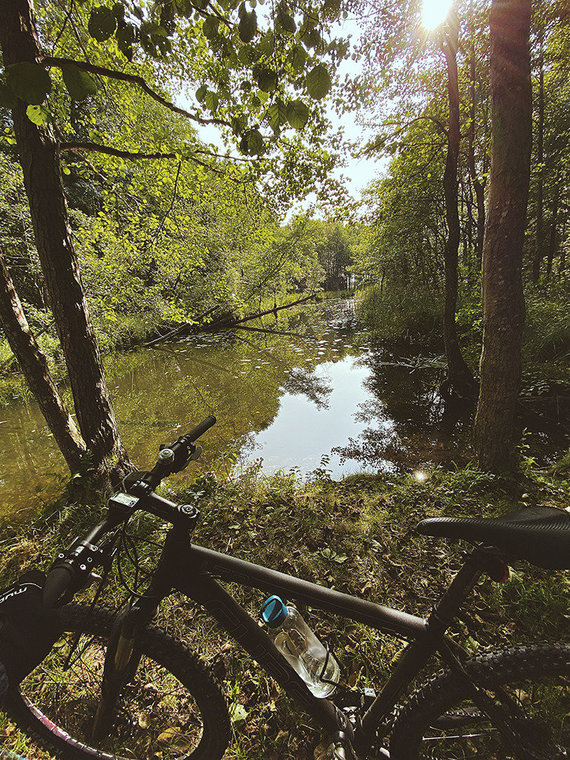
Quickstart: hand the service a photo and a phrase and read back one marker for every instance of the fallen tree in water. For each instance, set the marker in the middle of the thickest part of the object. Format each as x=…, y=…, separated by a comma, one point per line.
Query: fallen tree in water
x=222, y=322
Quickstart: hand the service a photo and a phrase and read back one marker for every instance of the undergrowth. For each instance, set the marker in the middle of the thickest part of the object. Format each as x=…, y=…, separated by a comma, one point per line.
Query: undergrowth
x=358, y=536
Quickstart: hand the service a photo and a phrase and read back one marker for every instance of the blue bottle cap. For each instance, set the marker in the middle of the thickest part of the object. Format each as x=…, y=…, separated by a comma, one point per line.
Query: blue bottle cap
x=273, y=611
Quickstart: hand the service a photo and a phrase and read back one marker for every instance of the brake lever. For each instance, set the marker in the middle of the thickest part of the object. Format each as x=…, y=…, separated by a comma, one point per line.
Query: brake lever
x=195, y=454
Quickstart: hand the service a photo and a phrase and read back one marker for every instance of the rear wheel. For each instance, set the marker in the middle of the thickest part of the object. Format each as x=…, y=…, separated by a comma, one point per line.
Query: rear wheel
x=441, y=722
x=172, y=708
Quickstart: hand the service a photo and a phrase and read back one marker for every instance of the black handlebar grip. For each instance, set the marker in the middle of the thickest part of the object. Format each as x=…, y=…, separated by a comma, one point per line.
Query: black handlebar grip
x=58, y=581
x=200, y=429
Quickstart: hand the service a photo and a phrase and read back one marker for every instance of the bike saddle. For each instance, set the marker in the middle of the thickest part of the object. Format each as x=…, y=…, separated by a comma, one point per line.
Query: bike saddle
x=540, y=535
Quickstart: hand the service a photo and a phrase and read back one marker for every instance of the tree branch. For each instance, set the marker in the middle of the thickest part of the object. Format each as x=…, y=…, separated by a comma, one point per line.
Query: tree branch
x=132, y=155
x=379, y=142
x=133, y=79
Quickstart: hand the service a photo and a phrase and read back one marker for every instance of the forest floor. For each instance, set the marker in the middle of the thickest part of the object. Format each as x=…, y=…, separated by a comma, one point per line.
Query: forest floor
x=358, y=536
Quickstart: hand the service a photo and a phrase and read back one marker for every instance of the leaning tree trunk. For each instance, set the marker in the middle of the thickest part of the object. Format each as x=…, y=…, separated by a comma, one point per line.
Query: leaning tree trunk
x=36, y=372
x=459, y=377
x=496, y=435
x=42, y=180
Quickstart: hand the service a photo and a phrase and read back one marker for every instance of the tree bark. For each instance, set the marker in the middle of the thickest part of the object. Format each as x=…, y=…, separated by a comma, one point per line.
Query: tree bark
x=496, y=435
x=477, y=184
x=459, y=376
x=539, y=243
x=35, y=369
x=42, y=180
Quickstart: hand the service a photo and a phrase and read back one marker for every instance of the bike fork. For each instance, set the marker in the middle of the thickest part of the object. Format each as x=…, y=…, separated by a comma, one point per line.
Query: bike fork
x=121, y=661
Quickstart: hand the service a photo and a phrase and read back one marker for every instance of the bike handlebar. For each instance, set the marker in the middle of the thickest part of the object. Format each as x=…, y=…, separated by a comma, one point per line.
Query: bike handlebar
x=71, y=571
x=200, y=429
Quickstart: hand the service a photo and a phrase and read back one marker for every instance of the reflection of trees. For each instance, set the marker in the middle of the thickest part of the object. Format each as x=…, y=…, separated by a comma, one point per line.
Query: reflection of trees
x=408, y=421
x=304, y=381
x=239, y=376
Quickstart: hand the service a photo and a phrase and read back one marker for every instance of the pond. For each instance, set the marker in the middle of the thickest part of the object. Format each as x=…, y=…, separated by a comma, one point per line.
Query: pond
x=301, y=390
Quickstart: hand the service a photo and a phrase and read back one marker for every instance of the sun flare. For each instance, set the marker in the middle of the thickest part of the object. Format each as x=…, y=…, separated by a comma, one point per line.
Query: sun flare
x=434, y=12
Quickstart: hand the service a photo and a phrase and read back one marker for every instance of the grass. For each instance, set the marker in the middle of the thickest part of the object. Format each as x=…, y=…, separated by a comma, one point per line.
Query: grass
x=356, y=535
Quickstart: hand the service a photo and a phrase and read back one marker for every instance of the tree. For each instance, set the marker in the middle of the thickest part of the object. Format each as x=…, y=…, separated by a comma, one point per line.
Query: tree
x=418, y=92
x=40, y=164
x=459, y=378
x=248, y=74
x=495, y=433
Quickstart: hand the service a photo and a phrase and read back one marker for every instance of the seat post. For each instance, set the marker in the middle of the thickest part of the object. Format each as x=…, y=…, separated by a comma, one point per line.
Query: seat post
x=459, y=589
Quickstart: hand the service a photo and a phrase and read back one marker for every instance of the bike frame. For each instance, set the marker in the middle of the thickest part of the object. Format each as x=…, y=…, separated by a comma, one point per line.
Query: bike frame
x=190, y=569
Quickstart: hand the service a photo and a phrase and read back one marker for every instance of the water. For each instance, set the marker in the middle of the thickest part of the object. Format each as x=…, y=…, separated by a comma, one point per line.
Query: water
x=303, y=391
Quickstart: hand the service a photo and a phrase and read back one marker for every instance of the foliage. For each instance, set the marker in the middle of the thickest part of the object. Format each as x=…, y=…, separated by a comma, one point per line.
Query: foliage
x=254, y=73
x=396, y=312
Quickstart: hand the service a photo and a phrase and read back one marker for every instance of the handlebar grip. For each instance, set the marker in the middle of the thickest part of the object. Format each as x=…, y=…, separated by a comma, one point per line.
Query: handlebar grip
x=200, y=429
x=58, y=581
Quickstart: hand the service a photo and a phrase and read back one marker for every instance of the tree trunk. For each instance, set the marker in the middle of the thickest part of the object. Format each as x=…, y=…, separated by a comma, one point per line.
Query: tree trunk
x=495, y=434
x=477, y=184
x=552, y=239
x=42, y=179
x=459, y=377
x=36, y=372
x=539, y=243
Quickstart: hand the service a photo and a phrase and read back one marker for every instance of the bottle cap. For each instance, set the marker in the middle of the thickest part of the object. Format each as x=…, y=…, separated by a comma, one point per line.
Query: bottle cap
x=273, y=611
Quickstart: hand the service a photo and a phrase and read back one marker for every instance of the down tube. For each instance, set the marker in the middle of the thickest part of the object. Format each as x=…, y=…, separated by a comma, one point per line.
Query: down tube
x=242, y=628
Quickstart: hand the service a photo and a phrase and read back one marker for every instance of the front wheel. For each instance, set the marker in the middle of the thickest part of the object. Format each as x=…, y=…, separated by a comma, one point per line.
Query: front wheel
x=530, y=684
x=171, y=709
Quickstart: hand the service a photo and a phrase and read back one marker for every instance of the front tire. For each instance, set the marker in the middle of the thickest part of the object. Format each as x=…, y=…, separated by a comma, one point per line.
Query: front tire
x=440, y=721
x=171, y=709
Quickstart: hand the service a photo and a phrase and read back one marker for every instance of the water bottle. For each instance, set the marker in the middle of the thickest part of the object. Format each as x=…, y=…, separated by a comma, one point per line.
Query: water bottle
x=316, y=665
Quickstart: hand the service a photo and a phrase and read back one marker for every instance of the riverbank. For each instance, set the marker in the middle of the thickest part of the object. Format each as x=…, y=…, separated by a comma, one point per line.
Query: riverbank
x=356, y=535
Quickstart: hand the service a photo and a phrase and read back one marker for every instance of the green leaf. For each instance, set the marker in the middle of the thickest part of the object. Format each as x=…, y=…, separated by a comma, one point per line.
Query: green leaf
x=210, y=27
x=7, y=97
x=239, y=123
x=266, y=78
x=118, y=11
x=154, y=39
x=251, y=142
x=318, y=81
x=201, y=93
x=37, y=114
x=28, y=81
x=79, y=83
x=297, y=114
x=298, y=57
x=277, y=114
x=211, y=101
x=102, y=23
x=125, y=38
x=245, y=54
x=285, y=21
x=247, y=26
x=311, y=37
x=266, y=44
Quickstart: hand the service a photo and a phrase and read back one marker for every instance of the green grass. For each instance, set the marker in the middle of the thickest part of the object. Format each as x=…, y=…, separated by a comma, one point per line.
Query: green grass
x=356, y=535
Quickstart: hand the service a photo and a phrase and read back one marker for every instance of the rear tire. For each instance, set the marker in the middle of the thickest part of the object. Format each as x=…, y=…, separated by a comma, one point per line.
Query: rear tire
x=172, y=708
x=536, y=677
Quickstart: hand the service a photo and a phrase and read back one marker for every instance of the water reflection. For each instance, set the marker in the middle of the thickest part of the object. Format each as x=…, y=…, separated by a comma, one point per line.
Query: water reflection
x=289, y=390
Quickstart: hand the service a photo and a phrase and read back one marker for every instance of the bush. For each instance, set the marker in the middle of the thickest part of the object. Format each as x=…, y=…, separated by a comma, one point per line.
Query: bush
x=400, y=313
x=547, y=326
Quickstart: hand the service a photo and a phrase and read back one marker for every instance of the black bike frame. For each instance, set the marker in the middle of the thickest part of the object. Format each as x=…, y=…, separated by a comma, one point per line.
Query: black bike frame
x=189, y=569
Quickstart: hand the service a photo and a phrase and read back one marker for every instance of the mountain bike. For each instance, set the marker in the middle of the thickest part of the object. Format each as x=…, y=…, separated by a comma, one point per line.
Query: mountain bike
x=115, y=686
